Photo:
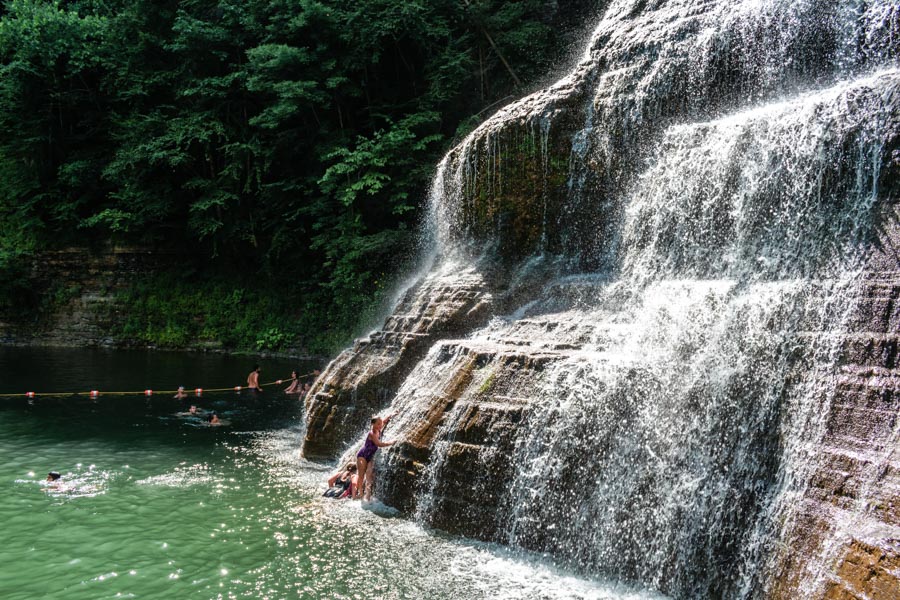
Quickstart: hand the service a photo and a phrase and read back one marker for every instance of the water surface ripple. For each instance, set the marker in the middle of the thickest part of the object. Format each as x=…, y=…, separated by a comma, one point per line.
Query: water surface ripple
x=155, y=505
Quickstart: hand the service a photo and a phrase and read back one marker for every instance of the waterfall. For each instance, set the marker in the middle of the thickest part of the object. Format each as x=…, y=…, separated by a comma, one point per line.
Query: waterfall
x=671, y=255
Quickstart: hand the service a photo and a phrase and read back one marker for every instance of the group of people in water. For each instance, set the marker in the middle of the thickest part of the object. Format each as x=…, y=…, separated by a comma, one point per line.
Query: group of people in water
x=297, y=387
x=355, y=480
x=208, y=417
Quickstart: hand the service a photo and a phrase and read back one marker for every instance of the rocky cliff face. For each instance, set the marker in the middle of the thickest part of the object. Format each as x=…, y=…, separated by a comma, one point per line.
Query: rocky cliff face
x=842, y=538
x=78, y=287
x=363, y=379
x=673, y=357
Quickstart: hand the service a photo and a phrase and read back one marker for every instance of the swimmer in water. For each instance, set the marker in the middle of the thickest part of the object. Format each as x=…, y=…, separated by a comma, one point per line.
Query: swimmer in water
x=180, y=394
x=193, y=411
x=253, y=379
x=214, y=419
x=53, y=481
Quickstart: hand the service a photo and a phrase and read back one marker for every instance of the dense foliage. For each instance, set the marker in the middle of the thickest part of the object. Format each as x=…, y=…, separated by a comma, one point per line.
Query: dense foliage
x=281, y=144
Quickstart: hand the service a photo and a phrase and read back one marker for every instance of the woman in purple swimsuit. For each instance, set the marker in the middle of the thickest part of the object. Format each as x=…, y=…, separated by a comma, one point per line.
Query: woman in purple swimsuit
x=365, y=464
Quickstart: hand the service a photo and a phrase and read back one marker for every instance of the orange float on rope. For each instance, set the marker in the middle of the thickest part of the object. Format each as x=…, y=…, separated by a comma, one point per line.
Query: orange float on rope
x=198, y=391
x=148, y=392
x=237, y=388
x=29, y=394
x=94, y=393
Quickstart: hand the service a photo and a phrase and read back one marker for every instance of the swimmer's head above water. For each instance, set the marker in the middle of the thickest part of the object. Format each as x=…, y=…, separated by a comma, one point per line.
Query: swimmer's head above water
x=53, y=476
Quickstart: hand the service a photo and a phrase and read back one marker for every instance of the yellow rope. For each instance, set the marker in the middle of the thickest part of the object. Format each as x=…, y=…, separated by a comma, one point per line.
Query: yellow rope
x=187, y=391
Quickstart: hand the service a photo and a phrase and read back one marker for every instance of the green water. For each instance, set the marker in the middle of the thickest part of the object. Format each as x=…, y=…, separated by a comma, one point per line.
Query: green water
x=155, y=505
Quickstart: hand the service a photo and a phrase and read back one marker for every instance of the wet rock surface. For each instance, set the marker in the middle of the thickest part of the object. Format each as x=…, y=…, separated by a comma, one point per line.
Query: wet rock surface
x=363, y=379
x=845, y=541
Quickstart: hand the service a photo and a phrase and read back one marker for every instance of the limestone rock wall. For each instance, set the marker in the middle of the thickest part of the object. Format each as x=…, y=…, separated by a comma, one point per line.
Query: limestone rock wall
x=364, y=378
x=79, y=286
x=455, y=298
x=843, y=540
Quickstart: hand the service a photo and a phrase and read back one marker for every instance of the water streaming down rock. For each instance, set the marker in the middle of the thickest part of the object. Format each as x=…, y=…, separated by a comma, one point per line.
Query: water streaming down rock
x=660, y=338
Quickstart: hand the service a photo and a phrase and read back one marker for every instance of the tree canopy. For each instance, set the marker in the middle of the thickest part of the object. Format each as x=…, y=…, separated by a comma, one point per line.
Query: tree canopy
x=277, y=139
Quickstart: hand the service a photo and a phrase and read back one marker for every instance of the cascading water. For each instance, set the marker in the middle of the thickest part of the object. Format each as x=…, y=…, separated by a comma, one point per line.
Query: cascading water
x=664, y=444
x=679, y=239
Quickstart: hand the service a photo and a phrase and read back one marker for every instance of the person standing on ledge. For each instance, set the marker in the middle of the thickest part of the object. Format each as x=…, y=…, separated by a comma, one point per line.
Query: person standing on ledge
x=365, y=458
x=253, y=379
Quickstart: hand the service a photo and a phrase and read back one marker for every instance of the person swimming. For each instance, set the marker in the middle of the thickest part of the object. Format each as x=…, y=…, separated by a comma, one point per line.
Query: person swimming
x=365, y=463
x=213, y=419
x=180, y=393
x=53, y=482
x=194, y=412
x=80, y=483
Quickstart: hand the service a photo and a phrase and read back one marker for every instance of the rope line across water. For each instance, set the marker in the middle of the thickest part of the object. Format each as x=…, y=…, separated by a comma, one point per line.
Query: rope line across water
x=148, y=392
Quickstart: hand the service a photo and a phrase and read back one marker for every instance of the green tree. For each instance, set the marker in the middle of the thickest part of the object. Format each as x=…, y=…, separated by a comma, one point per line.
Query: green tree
x=269, y=141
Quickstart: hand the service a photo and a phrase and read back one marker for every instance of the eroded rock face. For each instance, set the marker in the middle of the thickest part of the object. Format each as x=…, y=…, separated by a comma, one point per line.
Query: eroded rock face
x=456, y=297
x=363, y=379
x=843, y=541
x=866, y=571
x=460, y=425
x=701, y=394
x=79, y=288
